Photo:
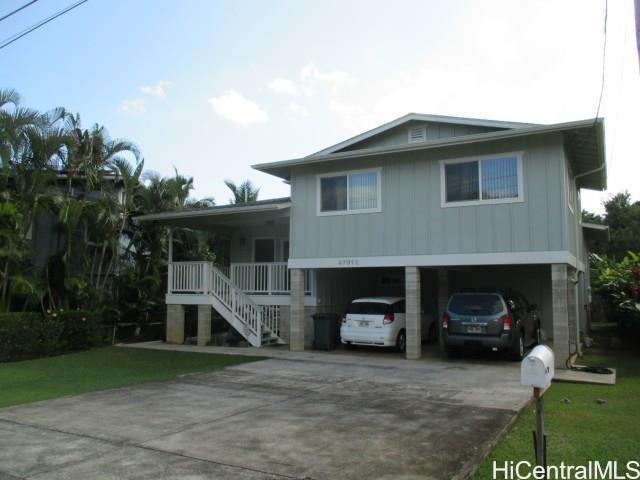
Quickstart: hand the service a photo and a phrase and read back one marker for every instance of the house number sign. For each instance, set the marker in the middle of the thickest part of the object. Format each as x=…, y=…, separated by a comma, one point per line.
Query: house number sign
x=345, y=262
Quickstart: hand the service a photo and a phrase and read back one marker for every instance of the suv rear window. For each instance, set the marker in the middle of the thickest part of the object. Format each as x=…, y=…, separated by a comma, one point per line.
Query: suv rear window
x=476, y=304
x=368, y=308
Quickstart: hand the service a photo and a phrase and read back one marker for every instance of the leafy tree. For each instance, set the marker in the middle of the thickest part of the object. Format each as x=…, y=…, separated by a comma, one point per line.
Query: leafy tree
x=590, y=217
x=623, y=218
x=244, y=192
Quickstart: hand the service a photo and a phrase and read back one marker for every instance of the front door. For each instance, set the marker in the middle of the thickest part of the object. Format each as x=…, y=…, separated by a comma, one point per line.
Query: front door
x=264, y=251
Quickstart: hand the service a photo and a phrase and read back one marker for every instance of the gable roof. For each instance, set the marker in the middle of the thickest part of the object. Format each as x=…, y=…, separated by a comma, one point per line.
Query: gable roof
x=410, y=117
x=585, y=142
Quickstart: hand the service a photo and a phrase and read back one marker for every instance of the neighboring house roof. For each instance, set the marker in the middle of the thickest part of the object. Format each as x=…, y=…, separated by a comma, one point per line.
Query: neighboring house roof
x=420, y=117
x=223, y=215
x=585, y=144
x=594, y=231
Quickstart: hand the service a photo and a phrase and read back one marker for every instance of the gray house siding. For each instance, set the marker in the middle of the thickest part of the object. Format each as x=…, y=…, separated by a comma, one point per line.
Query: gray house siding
x=412, y=220
x=434, y=130
x=242, y=241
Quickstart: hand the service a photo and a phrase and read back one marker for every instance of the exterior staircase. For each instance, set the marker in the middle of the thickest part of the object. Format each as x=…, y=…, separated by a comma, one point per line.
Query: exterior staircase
x=258, y=324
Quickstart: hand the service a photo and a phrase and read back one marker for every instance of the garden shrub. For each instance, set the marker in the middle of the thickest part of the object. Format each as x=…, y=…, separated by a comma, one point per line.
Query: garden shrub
x=27, y=335
x=31, y=335
x=80, y=329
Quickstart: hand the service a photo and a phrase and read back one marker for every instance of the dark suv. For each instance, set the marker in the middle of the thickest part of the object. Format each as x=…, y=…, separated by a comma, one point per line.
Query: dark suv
x=490, y=320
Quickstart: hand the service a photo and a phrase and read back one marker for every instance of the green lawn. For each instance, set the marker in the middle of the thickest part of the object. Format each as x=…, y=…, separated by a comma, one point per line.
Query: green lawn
x=579, y=428
x=98, y=369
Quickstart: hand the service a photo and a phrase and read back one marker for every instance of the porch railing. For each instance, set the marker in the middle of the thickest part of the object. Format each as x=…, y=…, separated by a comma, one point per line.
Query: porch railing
x=252, y=278
x=189, y=277
x=271, y=278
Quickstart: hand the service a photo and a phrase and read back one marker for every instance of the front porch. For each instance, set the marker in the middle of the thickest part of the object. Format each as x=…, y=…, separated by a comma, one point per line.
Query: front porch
x=265, y=283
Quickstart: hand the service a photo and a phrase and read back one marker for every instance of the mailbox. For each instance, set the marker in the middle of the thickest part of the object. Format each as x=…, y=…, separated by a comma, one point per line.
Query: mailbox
x=536, y=369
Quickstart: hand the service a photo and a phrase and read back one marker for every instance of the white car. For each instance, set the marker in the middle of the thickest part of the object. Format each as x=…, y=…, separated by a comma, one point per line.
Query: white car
x=381, y=322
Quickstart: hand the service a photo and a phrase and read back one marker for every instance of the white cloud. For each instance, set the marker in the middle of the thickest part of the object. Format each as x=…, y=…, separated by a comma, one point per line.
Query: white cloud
x=157, y=90
x=135, y=105
x=299, y=109
x=233, y=106
x=282, y=85
x=337, y=79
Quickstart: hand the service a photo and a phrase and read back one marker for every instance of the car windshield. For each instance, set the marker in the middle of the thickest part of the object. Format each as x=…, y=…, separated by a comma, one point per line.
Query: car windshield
x=368, y=308
x=476, y=304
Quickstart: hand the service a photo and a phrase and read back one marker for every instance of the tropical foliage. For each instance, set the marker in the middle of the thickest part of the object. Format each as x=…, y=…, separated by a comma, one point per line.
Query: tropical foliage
x=615, y=263
x=623, y=218
x=618, y=283
x=87, y=188
x=243, y=192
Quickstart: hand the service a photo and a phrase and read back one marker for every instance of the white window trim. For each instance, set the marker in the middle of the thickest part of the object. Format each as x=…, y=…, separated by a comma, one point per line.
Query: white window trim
x=478, y=158
x=571, y=189
x=319, y=177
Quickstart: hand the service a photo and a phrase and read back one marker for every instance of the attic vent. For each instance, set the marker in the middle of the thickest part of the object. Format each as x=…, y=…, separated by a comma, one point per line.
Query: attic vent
x=417, y=135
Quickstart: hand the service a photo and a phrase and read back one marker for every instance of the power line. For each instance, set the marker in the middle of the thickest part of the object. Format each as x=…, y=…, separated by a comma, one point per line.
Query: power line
x=18, y=9
x=604, y=53
x=8, y=41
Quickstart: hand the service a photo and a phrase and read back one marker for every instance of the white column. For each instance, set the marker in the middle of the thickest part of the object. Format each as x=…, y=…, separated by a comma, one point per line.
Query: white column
x=413, y=313
x=169, y=262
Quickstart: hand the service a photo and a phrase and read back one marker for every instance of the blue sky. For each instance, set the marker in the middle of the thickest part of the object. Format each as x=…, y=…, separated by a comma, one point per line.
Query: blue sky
x=213, y=87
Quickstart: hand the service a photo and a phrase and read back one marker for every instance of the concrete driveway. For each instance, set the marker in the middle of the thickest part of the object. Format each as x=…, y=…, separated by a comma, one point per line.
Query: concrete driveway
x=305, y=415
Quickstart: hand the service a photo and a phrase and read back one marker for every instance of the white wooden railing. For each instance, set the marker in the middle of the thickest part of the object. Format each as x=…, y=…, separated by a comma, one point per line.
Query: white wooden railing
x=204, y=278
x=189, y=277
x=239, y=303
x=266, y=278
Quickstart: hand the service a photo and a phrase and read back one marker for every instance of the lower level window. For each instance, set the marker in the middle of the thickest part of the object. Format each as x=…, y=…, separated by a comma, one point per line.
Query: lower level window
x=349, y=192
x=491, y=179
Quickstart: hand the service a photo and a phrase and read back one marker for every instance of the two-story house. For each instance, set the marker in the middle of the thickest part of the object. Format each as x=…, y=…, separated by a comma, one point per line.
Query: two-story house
x=420, y=207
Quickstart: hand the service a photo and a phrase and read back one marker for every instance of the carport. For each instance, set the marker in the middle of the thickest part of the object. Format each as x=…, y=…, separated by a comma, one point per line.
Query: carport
x=553, y=288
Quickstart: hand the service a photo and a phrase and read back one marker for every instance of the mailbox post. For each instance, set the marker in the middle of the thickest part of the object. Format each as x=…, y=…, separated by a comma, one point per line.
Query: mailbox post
x=536, y=370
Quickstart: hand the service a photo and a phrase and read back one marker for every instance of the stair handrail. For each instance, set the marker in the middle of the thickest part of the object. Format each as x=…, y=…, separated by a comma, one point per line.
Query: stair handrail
x=240, y=304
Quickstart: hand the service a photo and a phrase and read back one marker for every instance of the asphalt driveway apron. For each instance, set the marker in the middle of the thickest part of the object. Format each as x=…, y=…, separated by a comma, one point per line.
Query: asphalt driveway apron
x=338, y=417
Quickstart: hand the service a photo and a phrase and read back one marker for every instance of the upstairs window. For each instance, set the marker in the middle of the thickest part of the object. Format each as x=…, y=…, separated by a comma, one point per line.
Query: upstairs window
x=349, y=192
x=571, y=190
x=495, y=179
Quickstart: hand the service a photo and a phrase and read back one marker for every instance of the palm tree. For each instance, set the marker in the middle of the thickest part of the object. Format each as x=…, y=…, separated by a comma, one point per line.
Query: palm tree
x=92, y=151
x=243, y=193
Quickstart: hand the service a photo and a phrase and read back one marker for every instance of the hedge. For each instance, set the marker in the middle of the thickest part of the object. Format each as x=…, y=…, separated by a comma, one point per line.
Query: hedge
x=30, y=335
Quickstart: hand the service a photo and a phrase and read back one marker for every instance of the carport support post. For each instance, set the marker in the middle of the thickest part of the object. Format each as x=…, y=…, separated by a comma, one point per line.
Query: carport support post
x=204, y=325
x=413, y=313
x=296, y=321
x=560, y=305
x=175, y=324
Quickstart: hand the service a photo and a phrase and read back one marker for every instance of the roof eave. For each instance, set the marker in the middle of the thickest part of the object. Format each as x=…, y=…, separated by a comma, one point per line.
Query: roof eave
x=282, y=168
x=423, y=118
x=208, y=212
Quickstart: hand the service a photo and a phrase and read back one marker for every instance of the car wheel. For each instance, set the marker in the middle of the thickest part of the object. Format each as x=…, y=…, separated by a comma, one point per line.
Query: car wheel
x=401, y=342
x=517, y=352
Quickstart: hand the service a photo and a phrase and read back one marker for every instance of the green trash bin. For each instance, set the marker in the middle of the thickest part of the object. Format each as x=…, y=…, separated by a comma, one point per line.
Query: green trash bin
x=325, y=331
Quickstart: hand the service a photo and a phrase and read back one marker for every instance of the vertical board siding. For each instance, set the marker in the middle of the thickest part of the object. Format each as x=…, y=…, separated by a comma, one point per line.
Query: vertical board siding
x=399, y=135
x=412, y=220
